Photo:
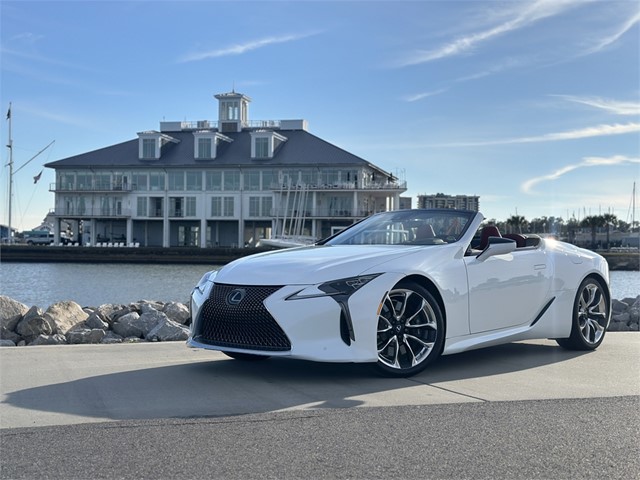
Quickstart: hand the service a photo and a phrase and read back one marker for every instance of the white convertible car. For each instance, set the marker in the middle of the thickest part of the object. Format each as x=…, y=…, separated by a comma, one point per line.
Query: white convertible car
x=400, y=288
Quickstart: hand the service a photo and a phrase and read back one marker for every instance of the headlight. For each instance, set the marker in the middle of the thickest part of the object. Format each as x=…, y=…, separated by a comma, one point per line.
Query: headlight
x=205, y=281
x=344, y=287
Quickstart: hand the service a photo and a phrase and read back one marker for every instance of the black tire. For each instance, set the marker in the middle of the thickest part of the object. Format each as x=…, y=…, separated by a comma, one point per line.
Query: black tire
x=247, y=357
x=410, y=331
x=591, y=313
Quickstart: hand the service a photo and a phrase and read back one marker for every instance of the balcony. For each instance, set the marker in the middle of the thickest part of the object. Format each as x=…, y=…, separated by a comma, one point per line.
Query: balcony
x=91, y=212
x=374, y=186
x=93, y=188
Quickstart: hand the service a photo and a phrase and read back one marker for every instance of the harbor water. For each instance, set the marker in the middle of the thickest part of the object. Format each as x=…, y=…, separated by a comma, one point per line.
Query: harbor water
x=43, y=284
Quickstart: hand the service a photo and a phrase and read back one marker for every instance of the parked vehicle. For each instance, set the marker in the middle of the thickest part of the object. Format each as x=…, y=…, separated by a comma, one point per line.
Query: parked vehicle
x=38, y=237
x=401, y=288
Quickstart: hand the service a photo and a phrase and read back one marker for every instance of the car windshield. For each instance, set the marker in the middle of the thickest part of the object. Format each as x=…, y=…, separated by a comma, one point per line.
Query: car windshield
x=406, y=227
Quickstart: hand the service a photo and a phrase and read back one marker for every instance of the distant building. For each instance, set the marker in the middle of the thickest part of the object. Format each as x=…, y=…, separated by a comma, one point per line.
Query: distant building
x=228, y=182
x=459, y=202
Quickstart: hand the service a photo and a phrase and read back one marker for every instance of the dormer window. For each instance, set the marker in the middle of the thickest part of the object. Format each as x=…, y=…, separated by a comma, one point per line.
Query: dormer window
x=264, y=143
x=205, y=144
x=150, y=144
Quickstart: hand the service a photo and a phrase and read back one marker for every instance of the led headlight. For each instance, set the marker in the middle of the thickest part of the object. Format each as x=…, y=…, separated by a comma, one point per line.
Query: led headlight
x=342, y=288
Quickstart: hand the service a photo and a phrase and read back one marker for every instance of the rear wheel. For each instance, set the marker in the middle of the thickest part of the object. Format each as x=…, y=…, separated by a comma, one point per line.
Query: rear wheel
x=247, y=357
x=410, y=331
x=591, y=310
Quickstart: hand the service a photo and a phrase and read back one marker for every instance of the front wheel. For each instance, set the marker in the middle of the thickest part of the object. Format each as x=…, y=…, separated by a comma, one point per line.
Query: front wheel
x=410, y=331
x=591, y=310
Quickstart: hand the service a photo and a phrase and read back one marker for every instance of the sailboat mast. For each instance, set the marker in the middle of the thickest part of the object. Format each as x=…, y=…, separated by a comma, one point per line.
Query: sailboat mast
x=10, y=147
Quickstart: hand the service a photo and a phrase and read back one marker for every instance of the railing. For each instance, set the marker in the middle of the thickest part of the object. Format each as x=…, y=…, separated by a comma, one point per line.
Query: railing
x=322, y=213
x=340, y=186
x=99, y=187
x=91, y=212
x=213, y=124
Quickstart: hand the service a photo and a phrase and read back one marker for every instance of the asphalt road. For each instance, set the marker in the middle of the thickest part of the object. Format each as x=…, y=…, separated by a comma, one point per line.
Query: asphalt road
x=523, y=410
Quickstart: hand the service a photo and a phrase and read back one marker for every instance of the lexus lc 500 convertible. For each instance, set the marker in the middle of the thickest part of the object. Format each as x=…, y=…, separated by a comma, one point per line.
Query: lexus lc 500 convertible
x=400, y=288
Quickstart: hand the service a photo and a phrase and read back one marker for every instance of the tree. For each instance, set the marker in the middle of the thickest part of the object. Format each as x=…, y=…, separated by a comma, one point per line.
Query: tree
x=593, y=222
x=609, y=219
x=517, y=222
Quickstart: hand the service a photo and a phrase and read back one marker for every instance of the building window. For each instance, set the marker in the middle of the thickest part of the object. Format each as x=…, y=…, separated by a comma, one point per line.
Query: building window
x=155, y=207
x=214, y=181
x=216, y=206
x=175, y=207
x=267, y=206
x=103, y=181
x=190, y=206
x=252, y=180
x=269, y=179
x=176, y=181
x=204, y=148
x=194, y=181
x=254, y=206
x=84, y=181
x=231, y=181
x=139, y=181
x=156, y=181
x=262, y=147
x=148, y=148
x=228, y=207
x=141, y=209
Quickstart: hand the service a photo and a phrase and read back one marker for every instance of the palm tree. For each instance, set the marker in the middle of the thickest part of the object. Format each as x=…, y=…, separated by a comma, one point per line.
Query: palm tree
x=609, y=219
x=517, y=222
x=593, y=222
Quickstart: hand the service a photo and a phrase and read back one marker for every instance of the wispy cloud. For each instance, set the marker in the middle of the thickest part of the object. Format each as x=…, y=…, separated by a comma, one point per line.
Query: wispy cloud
x=240, y=48
x=527, y=14
x=611, y=106
x=420, y=96
x=588, y=132
x=611, y=39
x=527, y=186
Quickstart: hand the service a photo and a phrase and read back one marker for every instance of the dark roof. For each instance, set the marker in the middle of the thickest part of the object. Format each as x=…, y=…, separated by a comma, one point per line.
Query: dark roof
x=301, y=148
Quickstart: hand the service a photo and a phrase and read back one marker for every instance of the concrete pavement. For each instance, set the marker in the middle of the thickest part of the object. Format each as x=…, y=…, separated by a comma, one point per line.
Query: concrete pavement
x=74, y=384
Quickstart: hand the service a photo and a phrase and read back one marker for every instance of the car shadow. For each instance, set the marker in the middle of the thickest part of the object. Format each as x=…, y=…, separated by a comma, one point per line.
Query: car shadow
x=222, y=387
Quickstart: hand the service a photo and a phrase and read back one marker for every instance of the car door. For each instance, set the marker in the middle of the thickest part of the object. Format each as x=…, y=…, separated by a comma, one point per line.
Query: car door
x=507, y=290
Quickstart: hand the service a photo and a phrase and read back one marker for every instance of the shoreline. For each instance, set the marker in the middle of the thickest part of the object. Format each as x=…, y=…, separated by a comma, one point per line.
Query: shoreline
x=620, y=261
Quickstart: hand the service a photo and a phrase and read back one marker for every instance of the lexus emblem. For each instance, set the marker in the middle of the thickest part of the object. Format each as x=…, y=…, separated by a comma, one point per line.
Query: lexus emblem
x=235, y=296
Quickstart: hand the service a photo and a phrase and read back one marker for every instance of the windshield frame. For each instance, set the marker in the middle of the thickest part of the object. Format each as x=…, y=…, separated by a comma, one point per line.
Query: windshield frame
x=399, y=228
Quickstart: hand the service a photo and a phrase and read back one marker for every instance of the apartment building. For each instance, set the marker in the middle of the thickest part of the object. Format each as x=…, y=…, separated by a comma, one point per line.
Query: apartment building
x=229, y=182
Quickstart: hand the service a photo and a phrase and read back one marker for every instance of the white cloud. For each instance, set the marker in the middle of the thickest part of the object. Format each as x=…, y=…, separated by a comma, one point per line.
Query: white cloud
x=528, y=14
x=609, y=40
x=588, y=132
x=420, y=96
x=241, y=48
x=612, y=106
x=527, y=186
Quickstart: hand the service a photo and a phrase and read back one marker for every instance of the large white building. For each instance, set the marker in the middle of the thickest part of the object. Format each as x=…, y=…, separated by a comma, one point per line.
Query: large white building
x=459, y=202
x=229, y=182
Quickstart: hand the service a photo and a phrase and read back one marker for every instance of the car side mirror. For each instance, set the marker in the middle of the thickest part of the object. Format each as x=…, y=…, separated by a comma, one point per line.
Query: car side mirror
x=497, y=246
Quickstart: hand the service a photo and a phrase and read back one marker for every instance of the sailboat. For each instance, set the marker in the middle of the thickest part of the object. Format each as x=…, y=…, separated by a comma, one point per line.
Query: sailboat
x=288, y=230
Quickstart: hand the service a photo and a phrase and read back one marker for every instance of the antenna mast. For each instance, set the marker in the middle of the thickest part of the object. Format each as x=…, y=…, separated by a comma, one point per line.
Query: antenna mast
x=10, y=147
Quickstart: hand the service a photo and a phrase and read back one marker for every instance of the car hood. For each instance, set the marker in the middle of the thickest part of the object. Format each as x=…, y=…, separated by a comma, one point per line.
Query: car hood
x=310, y=265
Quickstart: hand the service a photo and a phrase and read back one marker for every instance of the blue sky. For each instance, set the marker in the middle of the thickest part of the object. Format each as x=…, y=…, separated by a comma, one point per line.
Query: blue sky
x=532, y=105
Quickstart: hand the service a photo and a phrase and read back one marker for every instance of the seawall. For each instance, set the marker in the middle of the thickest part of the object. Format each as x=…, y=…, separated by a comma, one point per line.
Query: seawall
x=217, y=256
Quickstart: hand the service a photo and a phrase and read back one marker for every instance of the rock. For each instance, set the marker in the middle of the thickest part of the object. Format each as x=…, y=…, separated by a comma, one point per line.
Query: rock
x=65, y=315
x=168, y=331
x=33, y=325
x=618, y=307
x=176, y=312
x=95, y=320
x=7, y=343
x=634, y=311
x=11, y=311
x=111, y=337
x=126, y=326
x=57, y=339
x=9, y=335
x=621, y=318
x=120, y=312
x=85, y=335
x=146, y=306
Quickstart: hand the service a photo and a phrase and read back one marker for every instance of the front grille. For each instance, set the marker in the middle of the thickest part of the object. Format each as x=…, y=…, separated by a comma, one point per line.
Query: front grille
x=235, y=316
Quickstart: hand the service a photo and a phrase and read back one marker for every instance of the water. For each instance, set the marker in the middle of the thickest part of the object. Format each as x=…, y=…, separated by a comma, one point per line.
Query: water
x=43, y=284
